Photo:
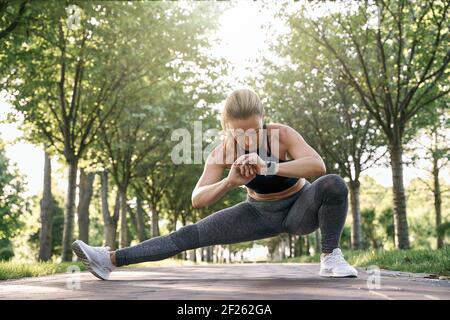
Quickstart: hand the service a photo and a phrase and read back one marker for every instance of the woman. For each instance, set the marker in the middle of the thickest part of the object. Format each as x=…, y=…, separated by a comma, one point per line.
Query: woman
x=279, y=198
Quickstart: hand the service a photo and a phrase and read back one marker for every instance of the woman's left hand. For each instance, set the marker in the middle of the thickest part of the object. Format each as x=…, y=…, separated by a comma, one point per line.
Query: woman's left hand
x=251, y=162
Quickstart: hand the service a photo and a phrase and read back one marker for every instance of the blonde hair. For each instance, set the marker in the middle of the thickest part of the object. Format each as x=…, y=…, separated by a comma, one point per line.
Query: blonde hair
x=240, y=104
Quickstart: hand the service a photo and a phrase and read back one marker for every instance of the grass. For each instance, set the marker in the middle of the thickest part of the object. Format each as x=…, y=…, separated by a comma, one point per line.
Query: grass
x=16, y=270
x=420, y=261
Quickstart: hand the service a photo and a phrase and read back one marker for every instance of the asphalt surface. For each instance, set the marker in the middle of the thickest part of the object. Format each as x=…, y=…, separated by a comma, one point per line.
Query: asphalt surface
x=227, y=281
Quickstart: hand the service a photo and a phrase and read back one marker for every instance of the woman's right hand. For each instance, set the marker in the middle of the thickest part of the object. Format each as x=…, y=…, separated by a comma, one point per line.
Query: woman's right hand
x=236, y=178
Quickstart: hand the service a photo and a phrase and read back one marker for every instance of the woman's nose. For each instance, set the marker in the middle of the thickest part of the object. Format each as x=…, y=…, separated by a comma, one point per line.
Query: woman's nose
x=249, y=142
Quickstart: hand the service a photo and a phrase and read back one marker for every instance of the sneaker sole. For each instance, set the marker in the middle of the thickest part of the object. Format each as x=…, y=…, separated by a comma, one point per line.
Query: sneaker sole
x=84, y=258
x=331, y=275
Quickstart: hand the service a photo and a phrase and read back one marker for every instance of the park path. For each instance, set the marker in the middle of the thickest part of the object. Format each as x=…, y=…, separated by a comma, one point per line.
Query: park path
x=224, y=281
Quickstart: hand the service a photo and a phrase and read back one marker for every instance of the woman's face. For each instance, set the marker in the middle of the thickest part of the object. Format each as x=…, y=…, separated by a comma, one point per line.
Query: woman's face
x=245, y=131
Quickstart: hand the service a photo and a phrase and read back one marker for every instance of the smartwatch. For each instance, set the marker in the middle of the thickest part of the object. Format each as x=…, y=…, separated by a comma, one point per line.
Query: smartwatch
x=272, y=168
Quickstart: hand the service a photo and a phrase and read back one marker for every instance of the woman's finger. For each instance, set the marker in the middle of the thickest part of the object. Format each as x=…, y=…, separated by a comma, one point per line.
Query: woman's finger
x=243, y=158
x=252, y=159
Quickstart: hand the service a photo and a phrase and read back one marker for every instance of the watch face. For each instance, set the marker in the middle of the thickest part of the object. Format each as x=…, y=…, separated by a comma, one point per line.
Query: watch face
x=271, y=167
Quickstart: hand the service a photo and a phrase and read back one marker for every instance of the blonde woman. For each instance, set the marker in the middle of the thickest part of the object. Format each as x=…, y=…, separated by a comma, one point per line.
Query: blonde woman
x=271, y=161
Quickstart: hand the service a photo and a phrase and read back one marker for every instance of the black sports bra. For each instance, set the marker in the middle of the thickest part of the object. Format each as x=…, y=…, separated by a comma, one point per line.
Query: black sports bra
x=271, y=183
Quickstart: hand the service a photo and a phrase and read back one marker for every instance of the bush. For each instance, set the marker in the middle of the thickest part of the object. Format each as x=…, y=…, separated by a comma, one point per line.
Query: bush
x=6, y=250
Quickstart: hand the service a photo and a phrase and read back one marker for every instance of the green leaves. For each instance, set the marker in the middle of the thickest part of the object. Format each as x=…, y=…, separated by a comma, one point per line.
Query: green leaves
x=12, y=203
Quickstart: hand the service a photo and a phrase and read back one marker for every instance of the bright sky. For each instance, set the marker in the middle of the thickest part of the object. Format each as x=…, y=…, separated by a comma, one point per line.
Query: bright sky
x=243, y=42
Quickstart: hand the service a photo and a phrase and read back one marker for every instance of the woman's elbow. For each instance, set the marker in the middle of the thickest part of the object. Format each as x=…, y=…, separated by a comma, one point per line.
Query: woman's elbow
x=195, y=203
x=321, y=169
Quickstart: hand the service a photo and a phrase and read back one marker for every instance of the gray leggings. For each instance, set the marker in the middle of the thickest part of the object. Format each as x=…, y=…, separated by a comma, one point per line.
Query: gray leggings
x=322, y=204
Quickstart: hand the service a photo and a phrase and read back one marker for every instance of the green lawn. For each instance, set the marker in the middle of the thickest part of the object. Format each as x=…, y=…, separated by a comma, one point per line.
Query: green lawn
x=16, y=270
x=421, y=261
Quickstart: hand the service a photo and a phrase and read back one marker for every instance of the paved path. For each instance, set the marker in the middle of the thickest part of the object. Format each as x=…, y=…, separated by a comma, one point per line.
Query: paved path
x=224, y=281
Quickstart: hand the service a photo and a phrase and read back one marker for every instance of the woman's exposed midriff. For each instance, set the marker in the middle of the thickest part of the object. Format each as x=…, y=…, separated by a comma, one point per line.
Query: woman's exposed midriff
x=277, y=195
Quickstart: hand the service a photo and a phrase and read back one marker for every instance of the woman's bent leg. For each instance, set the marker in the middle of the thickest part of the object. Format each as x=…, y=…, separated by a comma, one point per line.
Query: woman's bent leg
x=238, y=223
x=323, y=204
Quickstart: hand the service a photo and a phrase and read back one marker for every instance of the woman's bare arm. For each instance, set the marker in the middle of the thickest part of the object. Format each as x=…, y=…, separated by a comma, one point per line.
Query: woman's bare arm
x=211, y=187
x=307, y=162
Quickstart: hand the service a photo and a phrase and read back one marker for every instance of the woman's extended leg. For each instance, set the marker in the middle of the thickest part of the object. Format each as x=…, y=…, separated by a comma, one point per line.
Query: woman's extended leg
x=323, y=204
x=238, y=223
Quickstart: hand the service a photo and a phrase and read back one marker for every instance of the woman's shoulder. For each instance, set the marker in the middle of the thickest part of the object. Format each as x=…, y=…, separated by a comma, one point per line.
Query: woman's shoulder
x=280, y=130
x=279, y=134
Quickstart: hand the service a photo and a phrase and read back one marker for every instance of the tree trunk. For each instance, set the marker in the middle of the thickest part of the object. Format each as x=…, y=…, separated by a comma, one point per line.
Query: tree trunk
x=202, y=254
x=193, y=255
x=45, y=236
x=209, y=254
x=129, y=233
x=85, y=194
x=69, y=211
x=437, y=203
x=300, y=245
x=222, y=257
x=401, y=223
x=123, y=218
x=140, y=225
x=291, y=254
x=283, y=247
x=110, y=228
x=155, y=222
x=356, y=214
x=307, y=245
x=318, y=238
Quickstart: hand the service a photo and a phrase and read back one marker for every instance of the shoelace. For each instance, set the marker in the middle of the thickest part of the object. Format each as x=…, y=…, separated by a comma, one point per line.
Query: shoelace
x=337, y=259
x=101, y=248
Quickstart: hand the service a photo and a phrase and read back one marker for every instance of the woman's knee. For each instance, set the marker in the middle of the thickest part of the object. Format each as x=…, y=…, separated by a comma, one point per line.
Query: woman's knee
x=333, y=188
x=186, y=237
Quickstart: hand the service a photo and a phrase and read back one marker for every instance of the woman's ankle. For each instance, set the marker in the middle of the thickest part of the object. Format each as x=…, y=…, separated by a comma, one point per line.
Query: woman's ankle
x=112, y=256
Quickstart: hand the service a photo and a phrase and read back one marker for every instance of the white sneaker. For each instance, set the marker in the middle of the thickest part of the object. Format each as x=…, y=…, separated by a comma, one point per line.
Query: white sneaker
x=97, y=259
x=334, y=265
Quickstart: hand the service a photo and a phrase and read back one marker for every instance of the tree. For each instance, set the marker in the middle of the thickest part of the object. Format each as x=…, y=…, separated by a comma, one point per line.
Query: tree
x=11, y=16
x=433, y=148
x=12, y=203
x=127, y=142
x=402, y=53
x=54, y=100
x=310, y=94
x=47, y=206
x=110, y=221
x=85, y=196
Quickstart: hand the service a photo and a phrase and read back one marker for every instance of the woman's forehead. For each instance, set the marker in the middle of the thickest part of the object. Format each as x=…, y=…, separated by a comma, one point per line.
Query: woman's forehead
x=245, y=124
